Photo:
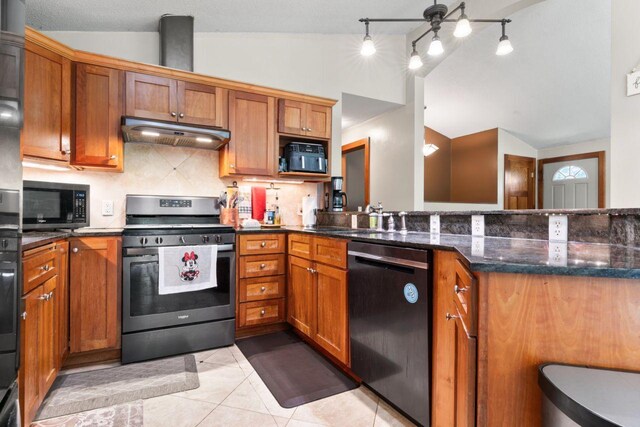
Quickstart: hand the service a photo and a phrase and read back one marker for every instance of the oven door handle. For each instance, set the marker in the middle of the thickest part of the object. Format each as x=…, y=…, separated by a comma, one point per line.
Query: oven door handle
x=154, y=251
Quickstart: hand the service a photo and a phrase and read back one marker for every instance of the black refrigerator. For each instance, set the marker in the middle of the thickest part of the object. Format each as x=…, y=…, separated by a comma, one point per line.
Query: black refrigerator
x=12, y=22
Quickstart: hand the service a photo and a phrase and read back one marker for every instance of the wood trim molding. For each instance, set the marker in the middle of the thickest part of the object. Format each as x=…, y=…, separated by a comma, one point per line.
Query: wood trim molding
x=364, y=143
x=602, y=175
x=36, y=37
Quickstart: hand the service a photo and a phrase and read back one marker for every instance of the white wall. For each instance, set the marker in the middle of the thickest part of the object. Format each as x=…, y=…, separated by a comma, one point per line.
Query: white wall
x=625, y=111
x=584, y=147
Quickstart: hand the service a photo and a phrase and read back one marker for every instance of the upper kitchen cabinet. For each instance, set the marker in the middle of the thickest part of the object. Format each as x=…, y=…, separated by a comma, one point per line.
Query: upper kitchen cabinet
x=98, y=108
x=252, y=149
x=47, y=104
x=163, y=98
x=300, y=118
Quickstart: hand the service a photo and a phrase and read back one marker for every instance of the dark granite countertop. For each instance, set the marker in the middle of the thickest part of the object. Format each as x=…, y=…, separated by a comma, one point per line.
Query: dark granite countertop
x=508, y=255
x=34, y=239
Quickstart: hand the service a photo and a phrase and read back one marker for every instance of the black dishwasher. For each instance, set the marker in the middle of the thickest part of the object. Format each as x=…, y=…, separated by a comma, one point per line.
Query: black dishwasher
x=389, y=322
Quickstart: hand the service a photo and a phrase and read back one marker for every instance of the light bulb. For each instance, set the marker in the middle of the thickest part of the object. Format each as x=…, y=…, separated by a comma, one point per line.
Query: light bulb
x=368, y=48
x=463, y=27
x=429, y=149
x=435, y=48
x=150, y=133
x=504, y=47
x=415, y=61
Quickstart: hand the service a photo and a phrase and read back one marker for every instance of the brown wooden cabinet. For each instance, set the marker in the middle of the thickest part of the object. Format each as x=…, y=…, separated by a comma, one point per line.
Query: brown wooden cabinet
x=47, y=104
x=300, y=118
x=317, y=292
x=94, y=289
x=99, y=106
x=63, y=300
x=39, y=330
x=252, y=149
x=163, y=98
x=464, y=360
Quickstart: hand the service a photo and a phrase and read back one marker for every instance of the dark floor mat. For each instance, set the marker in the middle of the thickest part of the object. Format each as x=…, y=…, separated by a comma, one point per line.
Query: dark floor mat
x=294, y=372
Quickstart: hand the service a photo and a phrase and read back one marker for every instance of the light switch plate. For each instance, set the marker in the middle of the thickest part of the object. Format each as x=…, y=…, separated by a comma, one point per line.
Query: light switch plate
x=558, y=228
x=107, y=208
x=434, y=224
x=558, y=254
x=477, y=225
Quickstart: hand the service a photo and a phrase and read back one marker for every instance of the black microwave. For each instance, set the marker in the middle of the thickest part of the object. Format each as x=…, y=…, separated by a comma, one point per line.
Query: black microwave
x=51, y=205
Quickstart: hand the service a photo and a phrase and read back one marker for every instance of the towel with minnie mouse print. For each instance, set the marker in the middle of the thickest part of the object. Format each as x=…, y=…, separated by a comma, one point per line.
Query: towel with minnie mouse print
x=187, y=268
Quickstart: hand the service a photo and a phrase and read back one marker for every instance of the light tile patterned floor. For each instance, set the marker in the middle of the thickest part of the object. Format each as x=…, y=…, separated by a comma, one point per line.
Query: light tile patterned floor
x=231, y=394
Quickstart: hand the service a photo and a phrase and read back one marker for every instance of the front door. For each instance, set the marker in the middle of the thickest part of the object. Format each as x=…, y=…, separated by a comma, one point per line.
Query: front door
x=571, y=184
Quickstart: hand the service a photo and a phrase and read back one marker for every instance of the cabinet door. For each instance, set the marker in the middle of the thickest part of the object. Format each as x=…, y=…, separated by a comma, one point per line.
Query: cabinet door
x=301, y=294
x=48, y=334
x=47, y=104
x=292, y=117
x=29, y=360
x=63, y=301
x=98, y=107
x=332, y=331
x=465, y=376
x=200, y=104
x=151, y=97
x=94, y=290
x=251, y=150
x=318, y=121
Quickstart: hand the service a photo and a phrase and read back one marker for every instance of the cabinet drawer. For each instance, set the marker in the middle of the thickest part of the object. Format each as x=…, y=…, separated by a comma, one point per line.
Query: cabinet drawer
x=261, y=312
x=39, y=267
x=262, y=265
x=300, y=245
x=465, y=295
x=261, y=288
x=330, y=251
x=258, y=244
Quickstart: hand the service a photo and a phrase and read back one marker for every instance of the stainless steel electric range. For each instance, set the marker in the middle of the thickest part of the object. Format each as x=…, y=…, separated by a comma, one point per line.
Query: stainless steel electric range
x=155, y=324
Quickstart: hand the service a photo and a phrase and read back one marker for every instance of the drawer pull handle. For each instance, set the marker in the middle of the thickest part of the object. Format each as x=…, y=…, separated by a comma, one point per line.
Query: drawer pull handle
x=262, y=289
x=458, y=290
x=75, y=250
x=450, y=316
x=24, y=315
x=263, y=244
x=262, y=312
x=45, y=267
x=262, y=266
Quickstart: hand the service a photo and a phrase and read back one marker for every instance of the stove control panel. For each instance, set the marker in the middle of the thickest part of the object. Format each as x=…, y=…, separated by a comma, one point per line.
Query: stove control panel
x=156, y=240
x=175, y=203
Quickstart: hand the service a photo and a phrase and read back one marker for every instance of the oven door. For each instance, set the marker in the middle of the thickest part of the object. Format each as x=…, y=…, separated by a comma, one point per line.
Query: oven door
x=9, y=302
x=143, y=308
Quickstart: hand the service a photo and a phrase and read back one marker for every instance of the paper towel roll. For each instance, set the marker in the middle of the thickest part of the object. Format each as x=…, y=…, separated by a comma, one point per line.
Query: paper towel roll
x=309, y=206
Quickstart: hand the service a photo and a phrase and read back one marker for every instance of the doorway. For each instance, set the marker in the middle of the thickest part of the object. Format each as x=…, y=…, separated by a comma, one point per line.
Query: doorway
x=572, y=182
x=355, y=173
x=519, y=182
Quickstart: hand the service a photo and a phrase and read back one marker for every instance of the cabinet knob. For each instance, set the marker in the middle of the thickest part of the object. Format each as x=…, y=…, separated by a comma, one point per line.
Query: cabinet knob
x=457, y=289
x=75, y=250
x=262, y=266
x=450, y=316
x=173, y=114
x=308, y=129
x=262, y=312
x=64, y=152
x=45, y=267
x=263, y=244
x=262, y=289
x=232, y=166
x=24, y=315
x=181, y=115
x=114, y=157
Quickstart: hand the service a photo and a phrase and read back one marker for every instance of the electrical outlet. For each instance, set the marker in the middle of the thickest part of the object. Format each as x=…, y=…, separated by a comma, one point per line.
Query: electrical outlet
x=477, y=225
x=558, y=228
x=354, y=221
x=107, y=208
x=434, y=238
x=477, y=246
x=434, y=224
x=558, y=254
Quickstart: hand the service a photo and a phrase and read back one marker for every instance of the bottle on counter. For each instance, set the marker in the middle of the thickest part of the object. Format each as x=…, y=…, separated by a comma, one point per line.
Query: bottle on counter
x=373, y=220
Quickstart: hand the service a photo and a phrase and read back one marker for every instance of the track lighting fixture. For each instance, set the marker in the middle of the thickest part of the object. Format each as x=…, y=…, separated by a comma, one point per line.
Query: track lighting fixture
x=436, y=15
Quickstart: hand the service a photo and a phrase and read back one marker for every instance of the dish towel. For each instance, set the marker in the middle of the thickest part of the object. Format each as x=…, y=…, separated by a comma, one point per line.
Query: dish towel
x=244, y=204
x=187, y=268
x=258, y=202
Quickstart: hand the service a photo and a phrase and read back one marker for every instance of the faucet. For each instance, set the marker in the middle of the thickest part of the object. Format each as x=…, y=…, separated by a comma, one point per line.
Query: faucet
x=391, y=226
x=403, y=222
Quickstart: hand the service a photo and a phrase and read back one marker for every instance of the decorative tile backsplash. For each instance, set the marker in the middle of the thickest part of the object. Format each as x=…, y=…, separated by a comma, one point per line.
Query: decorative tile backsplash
x=160, y=170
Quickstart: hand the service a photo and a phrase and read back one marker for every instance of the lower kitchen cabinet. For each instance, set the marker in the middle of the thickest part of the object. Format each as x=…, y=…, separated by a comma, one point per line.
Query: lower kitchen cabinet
x=63, y=300
x=95, y=294
x=317, y=297
x=464, y=387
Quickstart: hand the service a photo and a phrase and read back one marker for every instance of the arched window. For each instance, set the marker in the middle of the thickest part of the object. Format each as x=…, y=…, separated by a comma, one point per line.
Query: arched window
x=570, y=172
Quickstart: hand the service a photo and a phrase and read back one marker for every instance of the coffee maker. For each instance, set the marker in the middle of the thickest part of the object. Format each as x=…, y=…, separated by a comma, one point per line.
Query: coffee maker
x=339, y=197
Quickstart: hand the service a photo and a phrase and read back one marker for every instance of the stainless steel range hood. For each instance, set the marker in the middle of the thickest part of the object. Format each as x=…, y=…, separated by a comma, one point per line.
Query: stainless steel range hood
x=174, y=134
